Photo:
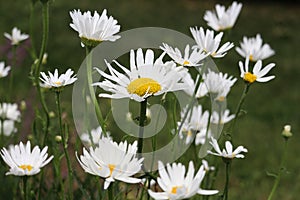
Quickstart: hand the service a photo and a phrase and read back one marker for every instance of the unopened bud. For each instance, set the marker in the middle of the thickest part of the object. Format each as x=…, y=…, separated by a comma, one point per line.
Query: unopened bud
x=58, y=138
x=23, y=105
x=286, y=133
x=51, y=114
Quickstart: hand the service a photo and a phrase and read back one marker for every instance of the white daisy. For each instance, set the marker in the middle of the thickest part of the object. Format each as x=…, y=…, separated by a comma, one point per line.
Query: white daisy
x=94, y=137
x=222, y=19
x=4, y=70
x=254, y=48
x=94, y=29
x=225, y=117
x=202, y=135
x=188, y=60
x=257, y=74
x=177, y=184
x=206, y=167
x=202, y=90
x=24, y=162
x=8, y=127
x=228, y=151
x=195, y=122
x=144, y=79
x=16, y=36
x=112, y=161
x=218, y=84
x=210, y=44
x=55, y=81
x=9, y=111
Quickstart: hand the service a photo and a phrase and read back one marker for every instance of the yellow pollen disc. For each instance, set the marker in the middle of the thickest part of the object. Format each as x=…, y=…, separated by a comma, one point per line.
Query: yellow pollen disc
x=111, y=169
x=186, y=62
x=249, y=77
x=58, y=83
x=189, y=133
x=141, y=86
x=174, y=189
x=251, y=57
x=26, y=167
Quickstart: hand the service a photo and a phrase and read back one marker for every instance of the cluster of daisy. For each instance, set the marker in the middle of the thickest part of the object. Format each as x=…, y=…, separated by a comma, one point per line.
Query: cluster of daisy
x=146, y=76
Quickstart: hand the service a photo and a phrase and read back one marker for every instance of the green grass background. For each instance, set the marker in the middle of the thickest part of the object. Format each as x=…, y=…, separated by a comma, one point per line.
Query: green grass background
x=269, y=105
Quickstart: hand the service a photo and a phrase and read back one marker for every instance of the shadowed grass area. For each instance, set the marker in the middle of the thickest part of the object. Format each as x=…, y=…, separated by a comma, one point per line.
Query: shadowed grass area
x=269, y=106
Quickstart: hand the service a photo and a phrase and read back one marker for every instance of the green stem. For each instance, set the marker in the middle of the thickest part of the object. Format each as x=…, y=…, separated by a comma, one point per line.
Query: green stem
x=191, y=104
x=65, y=145
x=225, y=193
x=141, y=124
x=25, y=187
x=2, y=131
x=281, y=169
x=91, y=89
x=238, y=109
x=110, y=192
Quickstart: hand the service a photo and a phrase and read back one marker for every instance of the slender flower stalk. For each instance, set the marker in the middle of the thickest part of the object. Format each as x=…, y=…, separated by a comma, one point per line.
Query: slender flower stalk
x=25, y=178
x=286, y=133
x=91, y=88
x=226, y=191
x=45, y=15
x=141, y=125
x=65, y=145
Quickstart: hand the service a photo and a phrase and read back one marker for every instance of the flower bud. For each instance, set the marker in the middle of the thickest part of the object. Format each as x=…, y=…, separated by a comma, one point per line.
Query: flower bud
x=23, y=105
x=286, y=133
x=51, y=114
x=58, y=138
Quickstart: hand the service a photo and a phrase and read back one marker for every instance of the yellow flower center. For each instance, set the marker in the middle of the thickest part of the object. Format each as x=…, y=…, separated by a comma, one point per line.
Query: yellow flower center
x=58, y=83
x=26, y=167
x=111, y=168
x=174, y=189
x=189, y=133
x=249, y=77
x=186, y=62
x=251, y=58
x=141, y=86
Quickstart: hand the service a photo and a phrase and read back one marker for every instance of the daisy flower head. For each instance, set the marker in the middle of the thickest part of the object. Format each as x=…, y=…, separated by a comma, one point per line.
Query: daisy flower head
x=24, y=162
x=93, y=137
x=218, y=84
x=8, y=127
x=202, y=90
x=112, y=161
x=177, y=184
x=93, y=29
x=188, y=60
x=206, y=167
x=16, y=36
x=9, y=111
x=57, y=81
x=257, y=74
x=4, y=70
x=228, y=152
x=225, y=117
x=222, y=19
x=145, y=77
x=202, y=136
x=254, y=49
x=209, y=43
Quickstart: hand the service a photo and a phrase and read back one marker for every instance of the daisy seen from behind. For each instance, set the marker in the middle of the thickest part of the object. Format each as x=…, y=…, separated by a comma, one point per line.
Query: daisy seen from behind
x=176, y=183
x=4, y=70
x=228, y=152
x=188, y=60
x=258, y=73
x=254, y=49
x=112, y=161
x=145, y=77
x=218, y=84
x=57, y=81
x=24, y=162
x=225, y=117
x=93, y=29
x=210, y=43
x=9, y=111
x=16, y=36
x=222, y=19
